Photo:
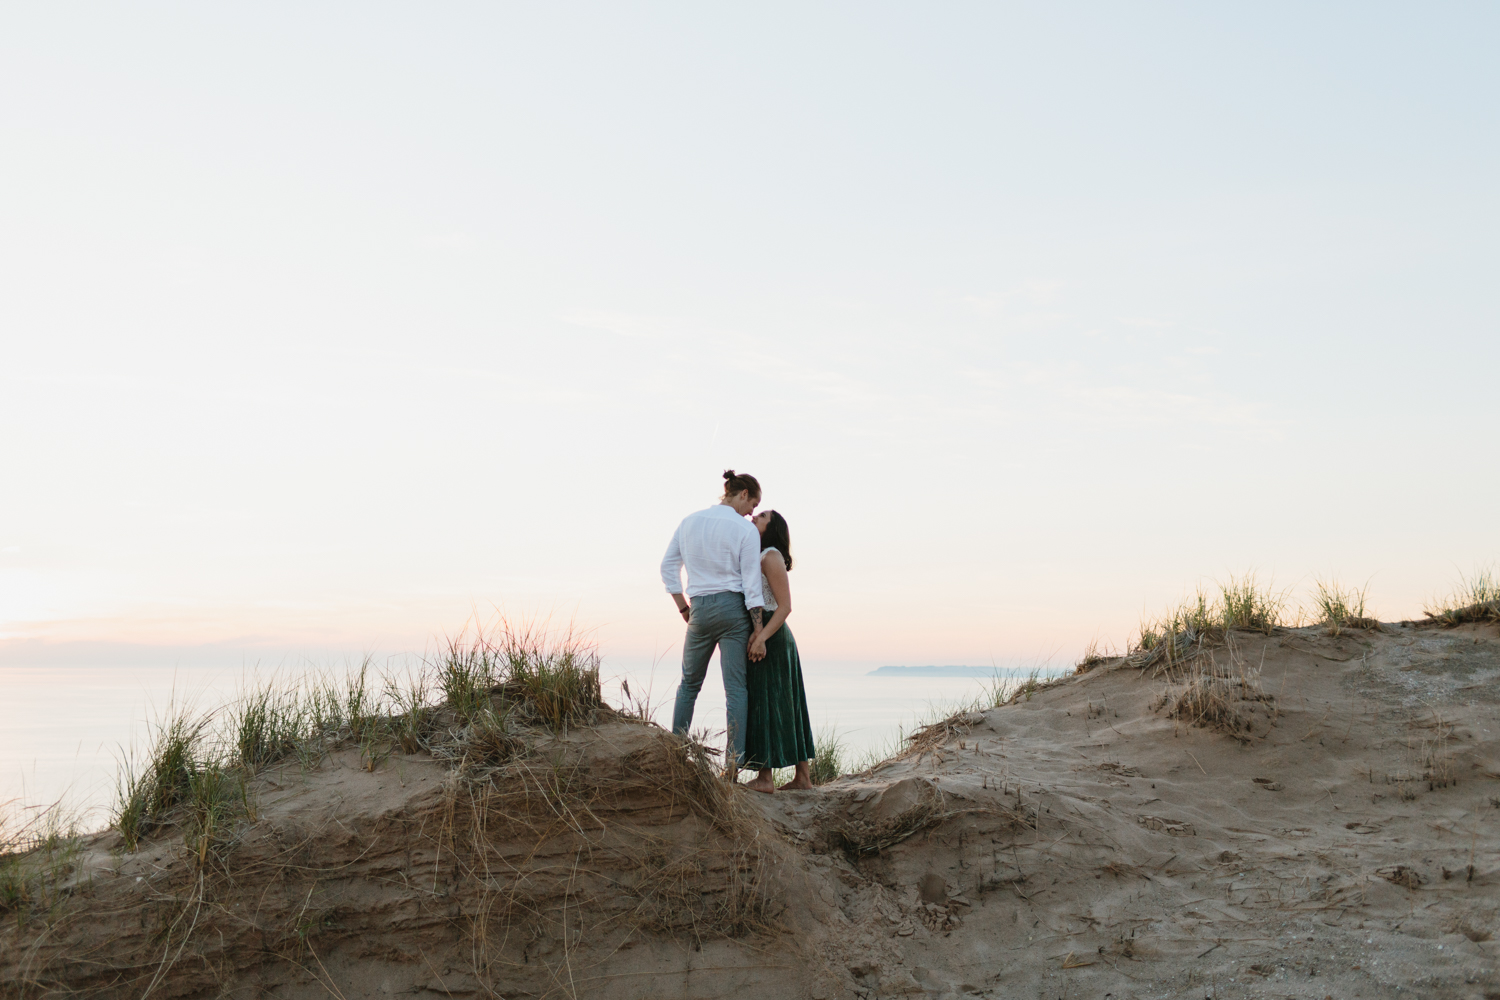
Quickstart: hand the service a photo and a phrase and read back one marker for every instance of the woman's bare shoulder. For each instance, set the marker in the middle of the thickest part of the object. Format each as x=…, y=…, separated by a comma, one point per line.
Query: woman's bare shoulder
x=774, y=557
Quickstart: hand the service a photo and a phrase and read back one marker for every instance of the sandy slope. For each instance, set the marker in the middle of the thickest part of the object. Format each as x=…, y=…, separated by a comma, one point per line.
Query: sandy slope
x=1083, y=843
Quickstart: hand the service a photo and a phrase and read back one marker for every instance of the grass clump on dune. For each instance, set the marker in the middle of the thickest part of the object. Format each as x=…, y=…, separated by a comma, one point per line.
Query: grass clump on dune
x=268, y=726
x=1009, y=691
x=1093, y=655
x=1477, y=599
x=188, y=779
x=555, y=683
x=1214, y=697
x=165, y=779
x=1338, y=608
x=1202, y=622
x=463, y=706
x=466, y=674
x=1245, y=605
x=36, y=855
x=550, y=680
x=828, y=762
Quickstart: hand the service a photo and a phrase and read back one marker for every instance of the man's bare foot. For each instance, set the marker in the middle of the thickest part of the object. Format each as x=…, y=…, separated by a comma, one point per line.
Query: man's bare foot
x=763, y=783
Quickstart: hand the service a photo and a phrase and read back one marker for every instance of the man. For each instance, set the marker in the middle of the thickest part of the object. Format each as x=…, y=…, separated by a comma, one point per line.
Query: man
x=721, y=551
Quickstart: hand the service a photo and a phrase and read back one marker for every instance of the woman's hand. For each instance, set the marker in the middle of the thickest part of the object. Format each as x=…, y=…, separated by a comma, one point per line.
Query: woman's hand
x=757, y=647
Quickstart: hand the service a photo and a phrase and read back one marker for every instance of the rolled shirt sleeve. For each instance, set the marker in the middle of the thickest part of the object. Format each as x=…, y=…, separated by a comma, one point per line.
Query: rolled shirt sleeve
x=671, y=564
x=750, y=569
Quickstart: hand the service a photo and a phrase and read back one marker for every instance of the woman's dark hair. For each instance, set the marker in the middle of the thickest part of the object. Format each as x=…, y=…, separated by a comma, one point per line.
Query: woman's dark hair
x=776, y=535
x=734, y=483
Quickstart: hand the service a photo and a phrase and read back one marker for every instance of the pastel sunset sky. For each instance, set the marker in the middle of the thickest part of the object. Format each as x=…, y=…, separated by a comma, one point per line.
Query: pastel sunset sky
x=328, y=326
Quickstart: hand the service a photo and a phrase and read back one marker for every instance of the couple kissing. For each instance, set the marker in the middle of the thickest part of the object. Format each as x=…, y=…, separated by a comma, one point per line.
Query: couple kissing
x=737, y=599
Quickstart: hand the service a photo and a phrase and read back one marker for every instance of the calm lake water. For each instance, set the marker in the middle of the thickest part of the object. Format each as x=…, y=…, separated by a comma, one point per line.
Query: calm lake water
x=67, y=728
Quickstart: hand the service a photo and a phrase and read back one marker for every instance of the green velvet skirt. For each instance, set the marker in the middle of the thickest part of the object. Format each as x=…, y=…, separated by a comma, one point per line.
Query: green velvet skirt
x=779, y=733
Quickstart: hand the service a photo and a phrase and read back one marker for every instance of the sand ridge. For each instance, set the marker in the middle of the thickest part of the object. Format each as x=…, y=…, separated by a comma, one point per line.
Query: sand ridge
x=1340, y=838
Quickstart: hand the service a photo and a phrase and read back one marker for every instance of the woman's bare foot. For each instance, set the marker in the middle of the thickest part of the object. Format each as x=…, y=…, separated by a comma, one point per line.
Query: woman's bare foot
x=801, y=781
x=763, y=782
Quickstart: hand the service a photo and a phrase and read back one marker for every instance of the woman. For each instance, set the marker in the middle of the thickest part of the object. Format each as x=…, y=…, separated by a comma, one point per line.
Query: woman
x=779, y=733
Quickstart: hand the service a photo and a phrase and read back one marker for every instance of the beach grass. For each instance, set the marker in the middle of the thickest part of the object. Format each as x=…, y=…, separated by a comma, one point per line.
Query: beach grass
x=409, y=697
x=38, y=847
x=1247, y=606
x=828, y=761
x=461, y=704
x=469, y=701
x=150, y=789
x=1337, y=607
x=466, y=672
x=1009, y=690
x=1201, y=622
x=267, y=726
x=552, y=679
x=1093, y=654
x=1475, y=599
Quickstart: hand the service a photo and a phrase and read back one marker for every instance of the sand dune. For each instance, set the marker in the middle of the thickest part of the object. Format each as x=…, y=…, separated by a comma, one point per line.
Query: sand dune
x=1298, y=814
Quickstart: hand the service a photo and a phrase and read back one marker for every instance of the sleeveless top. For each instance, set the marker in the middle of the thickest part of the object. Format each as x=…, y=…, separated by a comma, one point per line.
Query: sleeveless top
x=765, y=585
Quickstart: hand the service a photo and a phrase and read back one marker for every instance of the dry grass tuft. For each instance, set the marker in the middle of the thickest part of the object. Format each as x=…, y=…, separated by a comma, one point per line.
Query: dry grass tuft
x=613, y=876
x=935, y=735
x=1428, y=756
x=686, y=767
x=1477, y=599
x=916, y=806
x=635, y=707
x=479, y=748
x=1206, y=699
x=1093, y=656
x=1402, y=875
x=861, y=837
x=1207, y=696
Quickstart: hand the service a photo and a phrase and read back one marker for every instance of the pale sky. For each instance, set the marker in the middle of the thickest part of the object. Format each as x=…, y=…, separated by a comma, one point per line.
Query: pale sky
x=325, y=324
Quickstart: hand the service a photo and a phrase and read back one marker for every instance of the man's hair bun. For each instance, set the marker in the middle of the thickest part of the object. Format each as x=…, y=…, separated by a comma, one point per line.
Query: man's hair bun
x=738, y=482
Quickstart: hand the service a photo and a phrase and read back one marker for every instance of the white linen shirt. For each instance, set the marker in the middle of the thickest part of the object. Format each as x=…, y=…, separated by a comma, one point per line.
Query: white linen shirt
x=721, y=551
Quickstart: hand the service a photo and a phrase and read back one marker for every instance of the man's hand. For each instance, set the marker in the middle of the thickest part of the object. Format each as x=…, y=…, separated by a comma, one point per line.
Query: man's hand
x=757, y=649
x=683, y=607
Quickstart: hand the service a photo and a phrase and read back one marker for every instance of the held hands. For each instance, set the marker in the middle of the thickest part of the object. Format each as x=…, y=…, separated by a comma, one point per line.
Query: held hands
x=757, y=649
